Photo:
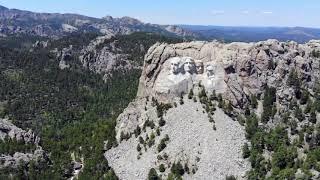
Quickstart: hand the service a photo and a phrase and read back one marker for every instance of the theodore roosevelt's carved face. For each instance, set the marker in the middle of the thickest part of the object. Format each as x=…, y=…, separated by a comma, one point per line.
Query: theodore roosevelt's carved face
x=199, y=67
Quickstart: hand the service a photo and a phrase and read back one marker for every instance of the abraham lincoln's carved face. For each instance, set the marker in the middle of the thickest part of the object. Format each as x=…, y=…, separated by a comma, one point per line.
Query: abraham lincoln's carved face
x=210, y=71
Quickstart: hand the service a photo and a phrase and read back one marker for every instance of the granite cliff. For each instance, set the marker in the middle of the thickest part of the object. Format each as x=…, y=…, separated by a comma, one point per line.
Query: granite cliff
x=175, y=118
x=10, y=133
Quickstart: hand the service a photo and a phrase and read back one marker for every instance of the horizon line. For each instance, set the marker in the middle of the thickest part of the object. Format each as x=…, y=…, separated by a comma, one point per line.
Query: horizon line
x=175, y=24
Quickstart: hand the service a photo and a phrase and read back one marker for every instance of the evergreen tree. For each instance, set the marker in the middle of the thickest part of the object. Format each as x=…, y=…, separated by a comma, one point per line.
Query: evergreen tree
x=293, y=79
x=254, y=101
x=245, y=151
x=251, y=126
x=309, y=106
x=177, y=169
x=304, y=97
x=299, y=114
x=313, y=117
x=190, y=95
x=111, y=175
x=162, y=168
x=162, y=122
x=268, y=104
x=153, y=175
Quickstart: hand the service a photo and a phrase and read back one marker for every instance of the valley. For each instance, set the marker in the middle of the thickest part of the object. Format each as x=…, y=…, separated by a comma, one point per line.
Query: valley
x=116, y=98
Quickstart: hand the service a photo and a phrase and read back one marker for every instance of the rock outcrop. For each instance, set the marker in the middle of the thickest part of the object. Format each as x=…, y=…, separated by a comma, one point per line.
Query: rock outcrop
x=8, y=130
x=8, y=161
x=171, y=71
x=105, y=59
x=13, y=132
x=64, y=57
x=236, y=70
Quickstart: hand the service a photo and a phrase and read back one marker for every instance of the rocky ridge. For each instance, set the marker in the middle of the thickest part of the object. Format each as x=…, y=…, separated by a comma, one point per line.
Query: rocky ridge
x=13, y=132
x=8, y=130
x=236, y=71
x=14, y=21
x=105, y=59
x=239, y=69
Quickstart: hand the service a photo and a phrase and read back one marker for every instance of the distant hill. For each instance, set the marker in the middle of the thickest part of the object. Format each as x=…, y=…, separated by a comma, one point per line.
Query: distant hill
x=253, y=34
x=14, y=21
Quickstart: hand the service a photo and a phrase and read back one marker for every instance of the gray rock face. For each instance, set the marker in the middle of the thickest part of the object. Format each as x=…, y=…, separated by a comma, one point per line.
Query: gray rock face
x=7, y=129
x=64, y=56
x=15, y=160
x=106, y=59
x=13, y=132
x=40, y=44
x=180, y=31
x=235, y=70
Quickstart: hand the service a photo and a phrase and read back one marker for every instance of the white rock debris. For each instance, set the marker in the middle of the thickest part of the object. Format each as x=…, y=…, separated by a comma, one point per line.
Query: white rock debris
x=215, y=154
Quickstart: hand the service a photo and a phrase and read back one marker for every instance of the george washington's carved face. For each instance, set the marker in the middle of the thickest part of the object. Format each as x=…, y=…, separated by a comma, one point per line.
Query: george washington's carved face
x=174, y=64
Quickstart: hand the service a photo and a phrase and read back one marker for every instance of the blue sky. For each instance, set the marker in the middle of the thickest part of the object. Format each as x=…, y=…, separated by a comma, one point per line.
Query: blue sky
x=201, y=12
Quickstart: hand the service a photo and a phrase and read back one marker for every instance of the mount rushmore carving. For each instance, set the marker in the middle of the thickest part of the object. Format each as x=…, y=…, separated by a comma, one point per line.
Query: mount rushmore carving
x=180, y=74
x=235, y=70
x=187, y=65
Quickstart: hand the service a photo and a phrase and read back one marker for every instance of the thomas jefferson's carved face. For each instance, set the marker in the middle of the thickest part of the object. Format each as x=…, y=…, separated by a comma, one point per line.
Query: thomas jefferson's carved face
x=189, y=65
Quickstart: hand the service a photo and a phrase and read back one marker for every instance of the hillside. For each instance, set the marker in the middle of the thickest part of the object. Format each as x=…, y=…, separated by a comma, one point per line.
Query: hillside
x=215, y=110
x=14, y=21
x=116, y=98
x=48, y=91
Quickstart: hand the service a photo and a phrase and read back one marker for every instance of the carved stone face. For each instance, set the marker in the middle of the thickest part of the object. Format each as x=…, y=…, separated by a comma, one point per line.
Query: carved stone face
x=189, y=65
x=174, y=63
x=199, y=67
x=210, y=71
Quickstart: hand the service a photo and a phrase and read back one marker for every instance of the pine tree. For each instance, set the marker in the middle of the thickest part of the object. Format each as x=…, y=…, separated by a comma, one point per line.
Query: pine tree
x=304, y=97
x=299, y=114
x=254, y=101
x=245, y=151
x=162, y=168
x=162, y=122
x=153, y=175
x=251, y=126
x=190, y=95
x=313, y=117
x=293, y=79
x=138, y=148
x=308, y=106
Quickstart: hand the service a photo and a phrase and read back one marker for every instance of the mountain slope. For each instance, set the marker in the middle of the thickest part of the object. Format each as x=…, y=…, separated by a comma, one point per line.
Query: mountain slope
x=193, y=94
x=13, y=21
x=71, y=109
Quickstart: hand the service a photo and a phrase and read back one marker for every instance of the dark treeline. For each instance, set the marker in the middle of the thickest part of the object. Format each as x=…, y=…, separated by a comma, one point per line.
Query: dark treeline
x=72, y=110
